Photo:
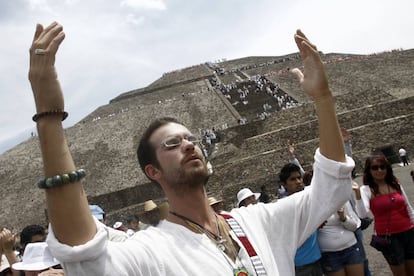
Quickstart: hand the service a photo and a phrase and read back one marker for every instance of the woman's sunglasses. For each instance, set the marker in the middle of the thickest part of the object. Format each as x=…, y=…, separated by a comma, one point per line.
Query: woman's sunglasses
x=377, y=167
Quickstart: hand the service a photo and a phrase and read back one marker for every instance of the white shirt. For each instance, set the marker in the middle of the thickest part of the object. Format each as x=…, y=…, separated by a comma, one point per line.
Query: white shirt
x=402, y=152
x=336, y=235
x=275, y=230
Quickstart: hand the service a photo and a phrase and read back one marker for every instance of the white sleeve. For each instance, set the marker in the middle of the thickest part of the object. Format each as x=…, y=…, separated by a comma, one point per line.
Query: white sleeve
x=100, y=256
x=363, y=205
x=409, y=207
x=352, y=221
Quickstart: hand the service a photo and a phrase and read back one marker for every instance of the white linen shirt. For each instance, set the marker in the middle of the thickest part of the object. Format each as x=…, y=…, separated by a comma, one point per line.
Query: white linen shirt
x=275, y=230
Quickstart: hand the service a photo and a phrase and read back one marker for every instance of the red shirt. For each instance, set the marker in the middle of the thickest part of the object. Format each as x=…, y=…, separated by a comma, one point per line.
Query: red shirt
x=390, y=211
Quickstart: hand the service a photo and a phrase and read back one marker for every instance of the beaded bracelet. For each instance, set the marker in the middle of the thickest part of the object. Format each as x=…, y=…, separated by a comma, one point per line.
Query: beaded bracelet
x=59, y=180
x=63, y=113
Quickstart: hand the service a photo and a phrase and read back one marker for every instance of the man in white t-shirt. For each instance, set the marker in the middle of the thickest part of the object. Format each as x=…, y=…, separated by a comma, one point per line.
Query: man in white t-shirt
x=260, y=239
x=403, y=156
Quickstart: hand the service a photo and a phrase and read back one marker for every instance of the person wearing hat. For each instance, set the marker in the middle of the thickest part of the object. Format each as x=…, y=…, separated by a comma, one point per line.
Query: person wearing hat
x=37, y=258
x=153, y=213
x=245, y=197
x=98, y=213
x=31, y=233
x=260, y=239
x=113, y=234
x=119, y=226
x=217, y=205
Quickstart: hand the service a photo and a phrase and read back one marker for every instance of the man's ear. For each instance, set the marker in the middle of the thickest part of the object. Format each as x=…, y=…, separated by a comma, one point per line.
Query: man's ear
x=152, y=172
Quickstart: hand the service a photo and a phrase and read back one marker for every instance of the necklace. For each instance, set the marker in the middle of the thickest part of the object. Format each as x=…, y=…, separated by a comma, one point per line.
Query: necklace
x=218, y=239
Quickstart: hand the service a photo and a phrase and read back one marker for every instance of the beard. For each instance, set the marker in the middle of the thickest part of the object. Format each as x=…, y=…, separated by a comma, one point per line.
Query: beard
x=185, y=180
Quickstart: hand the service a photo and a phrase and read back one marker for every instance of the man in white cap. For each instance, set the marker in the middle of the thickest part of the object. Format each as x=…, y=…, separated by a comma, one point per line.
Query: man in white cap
x=245, y=197
x=37, y=258
x=193, y=239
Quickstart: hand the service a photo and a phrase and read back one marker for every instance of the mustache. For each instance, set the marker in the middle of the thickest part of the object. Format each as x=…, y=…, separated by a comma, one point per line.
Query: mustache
x=192, y=156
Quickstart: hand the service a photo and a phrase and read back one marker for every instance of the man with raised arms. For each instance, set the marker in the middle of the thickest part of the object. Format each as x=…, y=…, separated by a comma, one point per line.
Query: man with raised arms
x=257, y=240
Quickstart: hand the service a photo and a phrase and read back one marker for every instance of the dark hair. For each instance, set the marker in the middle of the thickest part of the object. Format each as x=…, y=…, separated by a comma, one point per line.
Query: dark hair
x=287, y=170
x=29, y=231
x=390, y=179
x=307, y=177
x=131, y=218
x=146, y=151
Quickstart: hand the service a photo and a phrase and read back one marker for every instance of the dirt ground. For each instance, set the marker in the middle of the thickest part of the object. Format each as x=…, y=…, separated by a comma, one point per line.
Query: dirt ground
x=377, y=263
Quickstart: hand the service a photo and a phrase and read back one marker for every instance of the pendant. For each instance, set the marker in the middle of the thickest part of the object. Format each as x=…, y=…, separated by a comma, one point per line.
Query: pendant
x=240, y=272
x=221, y=247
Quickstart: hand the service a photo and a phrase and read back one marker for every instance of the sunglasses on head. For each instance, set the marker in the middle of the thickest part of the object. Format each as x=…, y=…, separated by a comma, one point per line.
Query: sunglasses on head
x=377, y=167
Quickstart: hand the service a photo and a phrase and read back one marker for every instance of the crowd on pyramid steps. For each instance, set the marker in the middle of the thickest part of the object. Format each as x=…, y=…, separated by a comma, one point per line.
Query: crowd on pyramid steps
x=241, y=93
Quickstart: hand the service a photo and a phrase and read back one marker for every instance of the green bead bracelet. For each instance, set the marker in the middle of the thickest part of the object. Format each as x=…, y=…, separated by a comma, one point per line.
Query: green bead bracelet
x=61, y=179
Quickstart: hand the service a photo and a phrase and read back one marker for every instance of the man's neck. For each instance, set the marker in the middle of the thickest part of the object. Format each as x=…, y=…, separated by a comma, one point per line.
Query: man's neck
x=194, y=206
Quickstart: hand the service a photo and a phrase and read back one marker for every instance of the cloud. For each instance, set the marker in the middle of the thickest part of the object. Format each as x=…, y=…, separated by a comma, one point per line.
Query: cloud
x=144, y=4
x=133, y=19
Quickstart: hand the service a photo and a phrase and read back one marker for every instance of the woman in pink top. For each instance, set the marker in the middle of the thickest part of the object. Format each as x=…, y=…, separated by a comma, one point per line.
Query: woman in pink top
x=383, y=195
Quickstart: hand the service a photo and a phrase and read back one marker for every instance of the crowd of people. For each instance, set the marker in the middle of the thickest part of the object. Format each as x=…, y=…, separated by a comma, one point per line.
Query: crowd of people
x=309, y=230
x=255, y=84
x=241, y=92
x=336, y=247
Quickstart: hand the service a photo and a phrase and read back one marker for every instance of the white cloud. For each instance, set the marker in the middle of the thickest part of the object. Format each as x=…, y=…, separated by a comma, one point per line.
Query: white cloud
x=40, y=6
x=133, y=19
x=144, y=4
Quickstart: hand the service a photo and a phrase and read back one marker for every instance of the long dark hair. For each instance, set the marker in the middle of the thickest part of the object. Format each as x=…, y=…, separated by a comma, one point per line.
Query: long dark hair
x=390, y=179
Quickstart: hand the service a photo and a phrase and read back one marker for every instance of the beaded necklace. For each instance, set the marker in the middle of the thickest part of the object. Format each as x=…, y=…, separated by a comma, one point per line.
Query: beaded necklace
x=218, y=240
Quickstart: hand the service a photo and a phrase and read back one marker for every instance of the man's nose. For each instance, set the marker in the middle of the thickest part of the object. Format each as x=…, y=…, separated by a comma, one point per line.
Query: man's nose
x=187, y=145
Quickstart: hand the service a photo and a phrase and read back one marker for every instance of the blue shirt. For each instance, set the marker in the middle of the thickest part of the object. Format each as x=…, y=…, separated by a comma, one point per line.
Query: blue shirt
x=309, y=252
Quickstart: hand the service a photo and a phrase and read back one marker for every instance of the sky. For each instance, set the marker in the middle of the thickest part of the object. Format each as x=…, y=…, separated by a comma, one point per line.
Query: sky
x=116, y=46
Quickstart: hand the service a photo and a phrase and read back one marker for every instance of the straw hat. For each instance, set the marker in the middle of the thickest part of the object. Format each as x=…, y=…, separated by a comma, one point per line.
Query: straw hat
x=212, y=201
x=150, y=205
x=245, y=193
x=36, y=257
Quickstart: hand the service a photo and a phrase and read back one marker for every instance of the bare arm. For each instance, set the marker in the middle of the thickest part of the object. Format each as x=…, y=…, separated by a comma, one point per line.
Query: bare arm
x=315, y=83
x=67, y=205
x=292, y=159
